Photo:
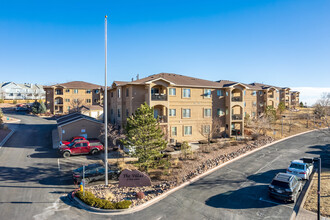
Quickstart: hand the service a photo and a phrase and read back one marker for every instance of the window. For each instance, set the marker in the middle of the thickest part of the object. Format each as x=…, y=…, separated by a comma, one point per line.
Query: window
x=244, y=92
x=226, y=93
x=207, y=112
x=254, y=103
x=75, y=91
x=227, y=112
x=88, y=100
x=118, y=114
x=118, y=93
x=220, y=112
x=68, y=108
x=260, y=92
x=127, y=112
x=172, y=91
x=187, y=130
x=186, y=113
x=111, y=94
x=172, y=112
x=174, y=131
x=254, y=93
x=207, y=93
x=253, y=114
x=219, y=92
x=186, y=93
x=96, y=91
x=88, y=91
x=244, y=104
x=206, y=129
x=277, y=98
x=127, y=92
x=111, y=111
x=67, y=100
x=67, y=90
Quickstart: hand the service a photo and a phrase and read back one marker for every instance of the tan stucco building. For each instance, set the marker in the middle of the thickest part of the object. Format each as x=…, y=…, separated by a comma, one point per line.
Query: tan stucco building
x=188, y=108
x=61, y=98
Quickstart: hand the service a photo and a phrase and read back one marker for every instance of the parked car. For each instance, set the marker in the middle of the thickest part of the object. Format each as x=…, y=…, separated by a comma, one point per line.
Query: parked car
x=285, y=187
x=78, y=138
x=80, y=147
x=94, y=172
x=300, y=169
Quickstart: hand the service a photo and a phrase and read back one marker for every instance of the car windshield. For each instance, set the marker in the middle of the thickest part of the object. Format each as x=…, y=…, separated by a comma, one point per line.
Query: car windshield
x=280, y=184
x=297, y=166
x=71, y=144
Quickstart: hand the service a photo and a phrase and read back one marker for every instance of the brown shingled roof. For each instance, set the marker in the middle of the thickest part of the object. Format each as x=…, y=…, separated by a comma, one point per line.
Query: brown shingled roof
x=78, y=85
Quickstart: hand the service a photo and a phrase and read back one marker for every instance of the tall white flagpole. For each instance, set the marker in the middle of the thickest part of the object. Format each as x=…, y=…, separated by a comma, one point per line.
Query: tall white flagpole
x=106, y=109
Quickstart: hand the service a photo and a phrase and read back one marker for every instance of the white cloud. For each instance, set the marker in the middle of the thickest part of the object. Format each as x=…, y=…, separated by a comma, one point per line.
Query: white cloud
x=310, y=94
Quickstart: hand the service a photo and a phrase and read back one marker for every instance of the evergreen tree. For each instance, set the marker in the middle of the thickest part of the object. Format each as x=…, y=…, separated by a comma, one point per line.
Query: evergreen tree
x=143, y=132
x=38, y=107
x=1, y=121
x=43, y=108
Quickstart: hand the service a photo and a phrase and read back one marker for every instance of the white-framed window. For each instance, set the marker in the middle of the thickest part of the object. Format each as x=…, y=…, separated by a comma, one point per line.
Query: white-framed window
x=67, y=90
x=254, y=103
x=67, y=100
x=174, y=131
x=88, y=91
x=172, y=91
x=244, y=104
x=206, y=129
x=219, y=92
x=187, y=130
x=172, y=112
x=227, y=93
x=207, y=93
x=186, y=113
x=254, y=93
x=68, y=108
x=75, y=91
x=88, y=100
x=207, y=112
x=186, y=93
x=244, y=92
x=97, y=91
x=227, y=111
x=260, y=93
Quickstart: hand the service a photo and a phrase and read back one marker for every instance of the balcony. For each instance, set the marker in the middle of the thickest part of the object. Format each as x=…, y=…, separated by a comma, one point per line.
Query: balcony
x=159, y=97
x=236, y=99
x=271, y=96
x=236, y=117
x=162, y=119
x=236, y=132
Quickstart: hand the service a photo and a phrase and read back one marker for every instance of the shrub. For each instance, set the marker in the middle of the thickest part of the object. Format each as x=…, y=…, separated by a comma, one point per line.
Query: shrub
x=123, y=204
x=203, y=142
x=91, y=200
x=213, y=141
x=140, y=195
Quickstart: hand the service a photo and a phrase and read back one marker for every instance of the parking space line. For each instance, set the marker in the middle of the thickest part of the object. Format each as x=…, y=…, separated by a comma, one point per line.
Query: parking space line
x=58, y=164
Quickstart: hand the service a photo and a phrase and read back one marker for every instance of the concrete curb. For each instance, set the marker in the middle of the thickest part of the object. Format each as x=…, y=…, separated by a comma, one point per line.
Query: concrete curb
x=7, y=138
x=164, y=195
x=302, y=197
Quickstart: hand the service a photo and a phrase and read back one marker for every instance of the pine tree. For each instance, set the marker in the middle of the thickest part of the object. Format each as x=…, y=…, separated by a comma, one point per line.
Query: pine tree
x=1, y=121
x=43, y=108
x=143, y=132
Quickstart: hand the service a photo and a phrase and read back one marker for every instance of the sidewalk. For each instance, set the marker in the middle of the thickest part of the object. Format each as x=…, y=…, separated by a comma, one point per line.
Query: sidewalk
x=304, y=214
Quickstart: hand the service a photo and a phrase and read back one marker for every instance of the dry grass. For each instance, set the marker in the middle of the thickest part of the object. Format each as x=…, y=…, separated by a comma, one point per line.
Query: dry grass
x=311, y=201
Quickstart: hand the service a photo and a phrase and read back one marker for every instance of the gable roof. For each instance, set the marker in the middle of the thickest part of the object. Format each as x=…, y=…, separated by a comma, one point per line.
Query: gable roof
x=175, y=79
x=78, y=85
x=73, y=117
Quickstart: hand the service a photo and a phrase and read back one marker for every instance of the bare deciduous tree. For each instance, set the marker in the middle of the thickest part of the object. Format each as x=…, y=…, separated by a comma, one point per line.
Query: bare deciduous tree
x=260, y=125
x=322, y=110
x=114, y=135
x=210, y=131
x=75, y=105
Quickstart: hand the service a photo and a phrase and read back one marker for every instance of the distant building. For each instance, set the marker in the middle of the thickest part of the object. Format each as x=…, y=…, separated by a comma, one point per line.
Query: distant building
x=26, y=91
x=63, y=98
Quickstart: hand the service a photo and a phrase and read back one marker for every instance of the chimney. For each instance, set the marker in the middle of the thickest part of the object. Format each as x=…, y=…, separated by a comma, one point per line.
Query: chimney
x=132, y=79
x=137, y=77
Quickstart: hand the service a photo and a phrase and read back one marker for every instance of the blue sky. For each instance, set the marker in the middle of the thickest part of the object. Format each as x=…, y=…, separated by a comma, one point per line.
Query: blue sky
x=242, y=40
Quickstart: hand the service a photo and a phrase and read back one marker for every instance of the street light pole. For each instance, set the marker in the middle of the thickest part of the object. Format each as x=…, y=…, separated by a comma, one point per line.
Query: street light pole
x=319, y=191
x=105, y=103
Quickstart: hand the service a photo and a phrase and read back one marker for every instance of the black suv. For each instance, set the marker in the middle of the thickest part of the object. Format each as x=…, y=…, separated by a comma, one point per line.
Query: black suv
x=285, y=187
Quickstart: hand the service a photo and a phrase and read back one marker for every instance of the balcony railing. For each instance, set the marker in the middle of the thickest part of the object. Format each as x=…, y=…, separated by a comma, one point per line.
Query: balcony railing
x=58, y=102
x=59, y=92
x=236, y=132
x=236, y=117
x=271, y=96
x=236, y=99
x=159, y=97
x=162, y=119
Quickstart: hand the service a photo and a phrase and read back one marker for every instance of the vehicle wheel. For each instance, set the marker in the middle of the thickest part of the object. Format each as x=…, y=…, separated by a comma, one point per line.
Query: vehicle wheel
x=94, y=151
x=66, y=154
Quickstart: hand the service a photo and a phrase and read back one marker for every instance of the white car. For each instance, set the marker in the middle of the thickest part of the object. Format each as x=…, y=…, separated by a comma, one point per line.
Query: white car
x=300, y=169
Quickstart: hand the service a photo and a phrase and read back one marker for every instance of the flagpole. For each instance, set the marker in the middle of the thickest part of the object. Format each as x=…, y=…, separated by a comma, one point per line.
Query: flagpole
x=106, y=109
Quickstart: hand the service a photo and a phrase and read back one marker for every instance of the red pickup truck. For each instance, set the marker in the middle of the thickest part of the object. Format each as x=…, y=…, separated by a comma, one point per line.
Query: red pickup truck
x=80, y=147
x=78, y=138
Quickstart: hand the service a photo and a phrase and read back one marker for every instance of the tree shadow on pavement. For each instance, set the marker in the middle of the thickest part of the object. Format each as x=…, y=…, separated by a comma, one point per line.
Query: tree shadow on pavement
x=245, y=198
x=265, y=177
x=324, y=153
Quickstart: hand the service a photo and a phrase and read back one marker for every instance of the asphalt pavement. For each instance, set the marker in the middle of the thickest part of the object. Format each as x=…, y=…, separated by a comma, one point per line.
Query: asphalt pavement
x=29, y=190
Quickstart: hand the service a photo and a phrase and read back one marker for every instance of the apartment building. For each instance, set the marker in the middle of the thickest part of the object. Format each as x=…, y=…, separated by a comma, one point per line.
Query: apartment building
x=16, y=91
x=295, y=98
x=285, y=96
x=61, y=98
x=188, y=108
